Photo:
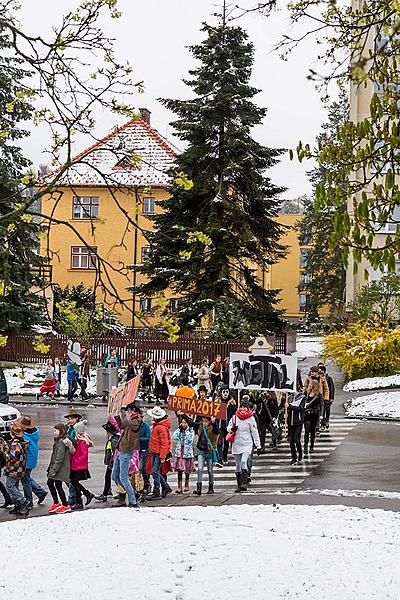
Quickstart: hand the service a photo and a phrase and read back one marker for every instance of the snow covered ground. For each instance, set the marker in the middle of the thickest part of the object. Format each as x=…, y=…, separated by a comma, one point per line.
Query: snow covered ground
x=16, y=379
x=381, y=404
x=192, y=553
x=353, y=493
x=372, y=383
x=308, y=346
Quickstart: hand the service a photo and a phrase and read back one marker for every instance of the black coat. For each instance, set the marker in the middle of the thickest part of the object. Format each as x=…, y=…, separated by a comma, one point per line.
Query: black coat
x=296, y=412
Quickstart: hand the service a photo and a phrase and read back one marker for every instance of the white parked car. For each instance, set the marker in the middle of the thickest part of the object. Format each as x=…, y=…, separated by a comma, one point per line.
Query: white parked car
x=8, y=415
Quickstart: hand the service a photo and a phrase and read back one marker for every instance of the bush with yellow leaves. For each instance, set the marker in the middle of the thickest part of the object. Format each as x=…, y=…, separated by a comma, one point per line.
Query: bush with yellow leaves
x=364, y=350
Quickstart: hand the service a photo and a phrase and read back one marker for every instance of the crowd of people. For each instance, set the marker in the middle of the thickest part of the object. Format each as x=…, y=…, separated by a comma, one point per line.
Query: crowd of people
x=139, y=455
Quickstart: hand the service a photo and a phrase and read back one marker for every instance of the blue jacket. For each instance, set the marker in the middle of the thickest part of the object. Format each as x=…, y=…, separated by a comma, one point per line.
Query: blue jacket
x=144, y=435
x=115, y=360
x=72, y=374
x=33, y=448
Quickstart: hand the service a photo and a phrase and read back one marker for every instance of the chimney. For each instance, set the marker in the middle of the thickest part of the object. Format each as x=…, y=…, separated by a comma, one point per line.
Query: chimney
x=145, y=115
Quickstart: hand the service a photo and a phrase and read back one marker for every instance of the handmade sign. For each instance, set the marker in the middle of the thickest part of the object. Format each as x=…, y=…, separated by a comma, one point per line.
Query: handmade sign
x=275, y=372
x=123, y=395
x=193, y=406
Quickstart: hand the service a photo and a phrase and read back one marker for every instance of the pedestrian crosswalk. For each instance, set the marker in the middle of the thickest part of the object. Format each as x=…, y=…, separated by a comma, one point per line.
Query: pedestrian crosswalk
x=272, y=472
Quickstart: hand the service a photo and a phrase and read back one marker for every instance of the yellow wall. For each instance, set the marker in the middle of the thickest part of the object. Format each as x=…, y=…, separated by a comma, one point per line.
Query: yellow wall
x=285, y=274
x=114, y=243
x=116, y=246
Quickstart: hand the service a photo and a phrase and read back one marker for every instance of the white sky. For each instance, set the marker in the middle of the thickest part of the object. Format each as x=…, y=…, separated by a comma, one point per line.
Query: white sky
x=153, y=35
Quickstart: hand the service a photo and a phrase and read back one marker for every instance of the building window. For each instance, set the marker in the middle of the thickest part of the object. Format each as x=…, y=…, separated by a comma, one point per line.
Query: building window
x=83, y=257
x=302, y=303
x=305, y=278
x=85, y=207
x=146, y=253
x=174, y=305
x=304, y=252
x=145, y=305
x=148, y=206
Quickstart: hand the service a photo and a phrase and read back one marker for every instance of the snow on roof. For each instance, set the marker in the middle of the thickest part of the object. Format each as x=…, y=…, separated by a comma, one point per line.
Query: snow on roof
x=108, y=161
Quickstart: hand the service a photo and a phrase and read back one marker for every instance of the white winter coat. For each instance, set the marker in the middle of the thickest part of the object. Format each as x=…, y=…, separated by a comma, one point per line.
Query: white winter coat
x=246, y=435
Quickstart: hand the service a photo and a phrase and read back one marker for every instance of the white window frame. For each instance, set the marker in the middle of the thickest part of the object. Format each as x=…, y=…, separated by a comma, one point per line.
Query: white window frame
x=145, y=305
x=145, y=253
x=85, y=208
x=83, y=258
x=149, y=205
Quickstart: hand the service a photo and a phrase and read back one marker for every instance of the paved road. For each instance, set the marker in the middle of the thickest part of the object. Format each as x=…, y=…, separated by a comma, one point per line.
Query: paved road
x=355, y=455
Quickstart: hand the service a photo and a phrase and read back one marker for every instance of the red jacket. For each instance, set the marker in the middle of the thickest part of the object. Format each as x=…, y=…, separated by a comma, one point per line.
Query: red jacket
x=80, y=458
x=160, y=438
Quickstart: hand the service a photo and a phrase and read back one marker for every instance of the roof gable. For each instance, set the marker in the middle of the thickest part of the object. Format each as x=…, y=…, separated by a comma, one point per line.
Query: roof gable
x=133, y=155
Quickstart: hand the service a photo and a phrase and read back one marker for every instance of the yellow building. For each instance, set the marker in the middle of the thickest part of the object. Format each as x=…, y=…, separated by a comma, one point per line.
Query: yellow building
x=105, y=202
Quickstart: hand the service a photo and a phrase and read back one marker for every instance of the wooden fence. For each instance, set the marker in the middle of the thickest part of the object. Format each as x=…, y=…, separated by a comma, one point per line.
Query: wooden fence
x=139, y=345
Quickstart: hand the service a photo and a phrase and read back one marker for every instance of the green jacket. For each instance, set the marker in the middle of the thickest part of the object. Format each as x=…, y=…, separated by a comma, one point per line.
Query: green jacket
x=59, y=467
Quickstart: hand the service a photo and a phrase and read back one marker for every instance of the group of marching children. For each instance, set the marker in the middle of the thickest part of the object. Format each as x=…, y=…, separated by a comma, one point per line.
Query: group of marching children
x=135, y=450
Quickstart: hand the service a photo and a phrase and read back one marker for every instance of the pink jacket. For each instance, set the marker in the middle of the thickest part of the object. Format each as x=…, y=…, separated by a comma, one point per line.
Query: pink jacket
x=80, y=458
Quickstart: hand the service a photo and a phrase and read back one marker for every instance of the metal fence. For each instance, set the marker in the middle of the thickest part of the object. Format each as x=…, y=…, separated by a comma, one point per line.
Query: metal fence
x=139, y=344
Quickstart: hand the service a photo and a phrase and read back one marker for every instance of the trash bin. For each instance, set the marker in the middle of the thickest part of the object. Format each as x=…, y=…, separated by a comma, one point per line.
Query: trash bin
x=107, y=378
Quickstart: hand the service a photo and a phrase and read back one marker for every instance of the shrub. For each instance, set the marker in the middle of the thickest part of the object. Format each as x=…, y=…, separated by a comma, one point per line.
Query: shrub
x=364, y=350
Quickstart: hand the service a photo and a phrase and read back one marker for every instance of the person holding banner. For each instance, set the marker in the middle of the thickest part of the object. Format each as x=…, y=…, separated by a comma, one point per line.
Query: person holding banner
x=244, y=427
x=295, y=420
x=130, y=441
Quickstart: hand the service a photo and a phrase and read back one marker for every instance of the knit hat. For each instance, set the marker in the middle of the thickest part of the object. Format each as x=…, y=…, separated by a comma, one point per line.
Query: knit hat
x=245, y=401
x=80, y=427
x=61, y=428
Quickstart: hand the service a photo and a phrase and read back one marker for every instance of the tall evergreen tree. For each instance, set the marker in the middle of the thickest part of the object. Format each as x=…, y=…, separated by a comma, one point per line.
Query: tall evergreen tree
x=19, y=308
x=211, y=236
x=324, y=265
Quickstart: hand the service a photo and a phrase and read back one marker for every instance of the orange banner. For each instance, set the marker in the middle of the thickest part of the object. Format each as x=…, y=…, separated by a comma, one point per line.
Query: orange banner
x=193, y=406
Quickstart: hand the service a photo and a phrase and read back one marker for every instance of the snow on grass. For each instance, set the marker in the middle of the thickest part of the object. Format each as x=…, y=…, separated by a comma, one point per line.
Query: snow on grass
x=308, y=347
x=381, y=404
x=17, y=379
x=229, y=552
x=352, y=493
x=372, y=383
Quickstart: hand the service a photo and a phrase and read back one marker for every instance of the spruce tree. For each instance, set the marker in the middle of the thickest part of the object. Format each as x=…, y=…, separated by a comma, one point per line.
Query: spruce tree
x=324, y=263
x=19, y=308
x=213, y=235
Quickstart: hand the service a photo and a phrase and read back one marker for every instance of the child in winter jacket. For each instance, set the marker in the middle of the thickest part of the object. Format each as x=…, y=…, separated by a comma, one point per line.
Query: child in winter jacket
x=184, y=463
x=58, y=470
x=80, y=465
x=113, y=437
x=16, y=469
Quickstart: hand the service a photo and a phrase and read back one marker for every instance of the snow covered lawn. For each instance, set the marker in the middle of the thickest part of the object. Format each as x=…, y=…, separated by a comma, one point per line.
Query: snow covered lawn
x=192, y=553
x=17, y=378
x=372, y=383
x=308, y=347
x=381, y=404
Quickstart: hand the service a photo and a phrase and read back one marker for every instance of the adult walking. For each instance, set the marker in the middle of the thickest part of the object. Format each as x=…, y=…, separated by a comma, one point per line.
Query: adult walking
x=84, y=375
x=16, y=469
x=159, y=448
x=295, y=420
x=130, y=441
x=327, y=403
x=316, y=390
x=72, y=379
x=29, y=485
x=244, y=427
x=204, y=377
x=161, y=382
x=49, y=387
x=216, y=372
